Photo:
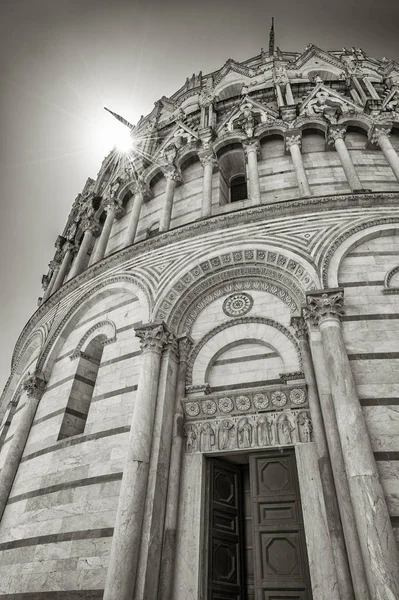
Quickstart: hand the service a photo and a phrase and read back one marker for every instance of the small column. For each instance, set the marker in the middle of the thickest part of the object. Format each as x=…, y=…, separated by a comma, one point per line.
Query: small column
x=251, y=149
x=169, y=537
x=340, y=558
x=69, y=248
x=34, y=387
x=173, y=177
x=208, y=162
x=378, y=545
x=288, y=94
x=360, y=90
x=91, y=229
x=122, y=569
x=279, y=94
x=54, y=266
x=370, y=88
x=141, y=192
x=293, y=144
x=380, y=137
x=336, y=138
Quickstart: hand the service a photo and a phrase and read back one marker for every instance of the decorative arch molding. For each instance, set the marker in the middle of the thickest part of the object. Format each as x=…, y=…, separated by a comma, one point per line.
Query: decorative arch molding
x=233, y=323
x=105, y=330
x=102, y=289
x=359, y=120
x=269, y=265
x=388, y=288
x=196, y=299
x=303, y=123
x=349, y=240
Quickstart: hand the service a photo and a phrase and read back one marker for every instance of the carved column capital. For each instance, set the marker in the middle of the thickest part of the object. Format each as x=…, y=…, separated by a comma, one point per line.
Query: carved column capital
x=335, y=133
x=35, y=385
x=207, y=157
x=172, y=172
x=153, y=337
x=89, y=224
x=185, y=344
x=141, y=187
x=379, y=131
x=111, y=205
x=323, y=305
x=59, y=242
x=301, y=330
x=251, y=145
x=293, y=138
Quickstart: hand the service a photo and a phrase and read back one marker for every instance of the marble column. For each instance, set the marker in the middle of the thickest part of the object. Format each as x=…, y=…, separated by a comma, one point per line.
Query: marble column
x=336, y=138
x=147, y=578
x=173, y=176
x=251, y=149
x=279, y=94
x=370, y=88
x=169, y=537
x=141, y=192
x=380, y=137
x=342, y=570
x=377, y=541
x=69, y=248
x=112, y=208
x=288, y=95
x=208, y=162
x=124, y=556
x=34, y=387
x=293, y=144
x=91, y=229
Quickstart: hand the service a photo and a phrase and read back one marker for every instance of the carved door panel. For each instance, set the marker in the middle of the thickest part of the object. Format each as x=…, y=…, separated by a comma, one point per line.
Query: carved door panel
x=281, y=564
x=225, y=564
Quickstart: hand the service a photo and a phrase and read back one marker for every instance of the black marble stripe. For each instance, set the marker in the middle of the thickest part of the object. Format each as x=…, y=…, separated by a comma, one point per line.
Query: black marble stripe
x=373, y=356
x=127, y=327
x=54, y=538
x=239, y=359
x=359, y=283
x=67, y=485
x=19, y=407
x=56, y=595
x=76, y=439
x=119, y=358
x=75, y=413
x=7, y=440
x=373, y=253
x=371, y=317
x=74, y=376
x=60, y=411
x=394, y=522
x=107, y=311
x=386, y=455
x=125, y=390
x=242, y=386
x=379, y=401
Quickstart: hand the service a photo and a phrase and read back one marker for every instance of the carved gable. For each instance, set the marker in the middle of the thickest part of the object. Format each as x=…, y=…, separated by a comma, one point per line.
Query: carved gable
x=315, y=59
x=323, y=101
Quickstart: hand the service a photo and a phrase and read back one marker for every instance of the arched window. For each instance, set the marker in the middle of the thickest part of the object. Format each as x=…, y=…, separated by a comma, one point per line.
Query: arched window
x=79, y=400
x=238, y=188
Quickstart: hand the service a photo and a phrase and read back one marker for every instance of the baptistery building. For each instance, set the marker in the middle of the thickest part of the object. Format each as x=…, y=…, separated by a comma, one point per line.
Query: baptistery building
x=205, y=404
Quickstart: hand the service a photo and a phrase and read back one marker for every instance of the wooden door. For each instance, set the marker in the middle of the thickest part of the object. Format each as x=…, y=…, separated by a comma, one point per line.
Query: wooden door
x=281, y=564
x=225, y=564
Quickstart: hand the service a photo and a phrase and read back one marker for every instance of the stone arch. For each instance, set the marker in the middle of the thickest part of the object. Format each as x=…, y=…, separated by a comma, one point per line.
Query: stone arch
x=265, y=130
x=359, y=120
x=304, y=123
x=256, y=328
x=105, y=331
x=388, y=287
x=349, y=240
x=122, y=283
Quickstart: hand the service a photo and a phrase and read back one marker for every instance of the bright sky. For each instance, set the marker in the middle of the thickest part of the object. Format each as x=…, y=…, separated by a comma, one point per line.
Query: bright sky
x=62, y=61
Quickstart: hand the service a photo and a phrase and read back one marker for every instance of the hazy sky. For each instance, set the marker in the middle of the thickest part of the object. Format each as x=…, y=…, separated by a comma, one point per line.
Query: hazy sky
x=63, y=60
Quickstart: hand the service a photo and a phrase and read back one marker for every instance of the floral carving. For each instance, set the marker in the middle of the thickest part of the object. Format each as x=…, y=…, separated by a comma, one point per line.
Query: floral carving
x=208, y=407
x=243, y=403
x=297, y=396
x=237, y=305
x=192, y=409
x=225, y=404
x=279, y=398
x=261, y=401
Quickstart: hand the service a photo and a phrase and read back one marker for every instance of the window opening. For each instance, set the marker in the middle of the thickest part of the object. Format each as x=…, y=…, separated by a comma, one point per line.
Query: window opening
x=238, y=188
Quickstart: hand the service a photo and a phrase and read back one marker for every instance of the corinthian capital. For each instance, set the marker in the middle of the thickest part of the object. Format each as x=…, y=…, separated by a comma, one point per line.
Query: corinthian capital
x=141, y=187
x=172, y=172
x=153, y=337
x=251, y=145
x=378, y=132
x=111, y=205
x=335, y=133
x=207, y=157
x=35, y=385
x=301, y=330
x=185, y=344
x=323, y=305
x=293, y=139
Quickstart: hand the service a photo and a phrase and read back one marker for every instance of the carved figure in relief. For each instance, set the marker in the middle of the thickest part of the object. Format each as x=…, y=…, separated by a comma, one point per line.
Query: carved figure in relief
x=323, y=105
x=207, y=437
x=286, y=429
x=191, y=435
x=306, y=427
x=224, y=433
x=244, y=434
x=247, y=121
x=264, y=432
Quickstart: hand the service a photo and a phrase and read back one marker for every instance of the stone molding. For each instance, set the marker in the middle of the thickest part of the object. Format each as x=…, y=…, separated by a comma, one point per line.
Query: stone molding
x=154, y=337
x=185, y=344
x=106, y=324
x=34, y=385
x=233, y=323
x=323, y=305
x=335, y=133
x=388, y=289
x=299, y=324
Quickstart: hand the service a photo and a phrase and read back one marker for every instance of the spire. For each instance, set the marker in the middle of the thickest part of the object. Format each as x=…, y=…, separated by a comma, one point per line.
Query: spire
x=119, y=118
x=271, y=39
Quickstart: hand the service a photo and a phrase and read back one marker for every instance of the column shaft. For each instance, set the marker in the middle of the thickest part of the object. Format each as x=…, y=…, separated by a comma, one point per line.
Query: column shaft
x=331, y=504
x=134, y=218
x=355, y=558
x=349, y=168
x=300, y=173
x=206, y=208
x=66, y=261
x=280, y=99
x=50, y=286
x=168, y=204
x=288, y=95
x=390, y=154
x=169, y=538
x=34, y=388
x=100, y=249
x=253, y=175
x=80, y=261
x=124, y=556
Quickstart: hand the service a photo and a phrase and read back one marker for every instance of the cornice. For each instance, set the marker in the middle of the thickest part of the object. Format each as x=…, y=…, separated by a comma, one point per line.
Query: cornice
x=226, y=220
